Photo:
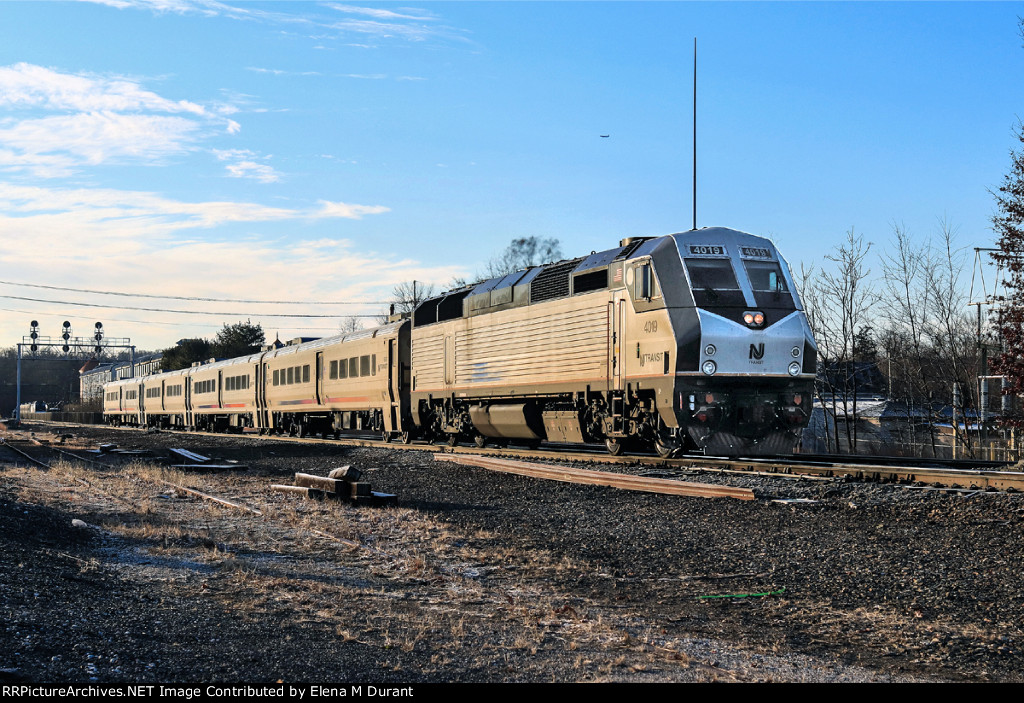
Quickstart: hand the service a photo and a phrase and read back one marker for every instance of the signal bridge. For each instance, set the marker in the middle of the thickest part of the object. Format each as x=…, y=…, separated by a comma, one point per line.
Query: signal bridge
x=71, y=346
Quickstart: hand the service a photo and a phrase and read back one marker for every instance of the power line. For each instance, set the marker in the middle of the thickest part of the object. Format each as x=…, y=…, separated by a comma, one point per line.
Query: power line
x=194, y=298
x=121, y=319
x=304, y=328
x=185, y=312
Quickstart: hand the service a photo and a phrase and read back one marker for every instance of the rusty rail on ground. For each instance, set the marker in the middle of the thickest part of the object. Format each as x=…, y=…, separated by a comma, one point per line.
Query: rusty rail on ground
x=599, y=478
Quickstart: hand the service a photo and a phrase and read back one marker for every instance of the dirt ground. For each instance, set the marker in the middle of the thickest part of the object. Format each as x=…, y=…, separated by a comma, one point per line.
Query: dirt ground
x=477, y=576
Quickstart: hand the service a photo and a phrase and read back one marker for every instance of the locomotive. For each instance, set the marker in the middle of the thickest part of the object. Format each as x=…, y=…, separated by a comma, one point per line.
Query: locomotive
x=694, y=341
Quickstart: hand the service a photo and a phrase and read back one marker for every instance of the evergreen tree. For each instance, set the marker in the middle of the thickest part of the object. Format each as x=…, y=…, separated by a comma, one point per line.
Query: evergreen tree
x=239, y=339
x=184, y=353
x=1008, y=223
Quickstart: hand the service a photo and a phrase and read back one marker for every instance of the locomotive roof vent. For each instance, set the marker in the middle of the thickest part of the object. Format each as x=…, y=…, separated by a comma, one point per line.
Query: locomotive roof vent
x=629, y=240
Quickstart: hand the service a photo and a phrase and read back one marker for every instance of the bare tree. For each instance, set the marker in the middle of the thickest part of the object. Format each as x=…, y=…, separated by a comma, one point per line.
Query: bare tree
x=949, y=328
x=351, y=323
x=523, y=253
x=907, y=299
x=839, y=300
x=928, y=342
x=406, y=296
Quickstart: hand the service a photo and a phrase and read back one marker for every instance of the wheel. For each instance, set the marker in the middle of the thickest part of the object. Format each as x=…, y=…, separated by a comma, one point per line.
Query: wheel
x=480, y=441
x=303, y=429
x=452, y=440
x=614, y=445
x=385, y=437
x=406, y=437
x=666, y=446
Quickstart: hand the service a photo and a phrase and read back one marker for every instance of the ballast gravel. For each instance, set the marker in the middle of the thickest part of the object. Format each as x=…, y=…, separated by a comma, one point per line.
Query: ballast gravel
x=482, y=576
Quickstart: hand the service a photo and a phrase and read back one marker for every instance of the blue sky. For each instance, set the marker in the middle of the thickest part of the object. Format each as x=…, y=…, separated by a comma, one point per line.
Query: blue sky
x=325, y=151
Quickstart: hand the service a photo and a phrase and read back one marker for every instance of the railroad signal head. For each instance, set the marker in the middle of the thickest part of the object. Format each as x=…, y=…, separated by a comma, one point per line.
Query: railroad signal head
x=66, y=348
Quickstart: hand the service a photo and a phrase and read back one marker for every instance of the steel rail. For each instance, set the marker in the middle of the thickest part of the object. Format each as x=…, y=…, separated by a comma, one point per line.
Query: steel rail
x=599, y=478
x=978, y=479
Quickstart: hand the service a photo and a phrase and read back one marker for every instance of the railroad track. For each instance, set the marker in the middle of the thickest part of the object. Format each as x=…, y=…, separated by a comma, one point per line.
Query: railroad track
x=920, y=472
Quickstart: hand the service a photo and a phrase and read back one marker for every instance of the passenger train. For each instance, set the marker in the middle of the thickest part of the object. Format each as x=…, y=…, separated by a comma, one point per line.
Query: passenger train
x=694, y=341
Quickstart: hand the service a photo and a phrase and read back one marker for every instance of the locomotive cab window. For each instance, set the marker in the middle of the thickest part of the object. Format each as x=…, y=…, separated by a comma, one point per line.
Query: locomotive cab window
x=713, y=274
x=645, y=283
x=766, y=276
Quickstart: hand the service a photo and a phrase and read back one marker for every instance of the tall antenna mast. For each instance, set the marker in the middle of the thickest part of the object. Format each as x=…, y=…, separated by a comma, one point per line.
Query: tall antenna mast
x=695, y=132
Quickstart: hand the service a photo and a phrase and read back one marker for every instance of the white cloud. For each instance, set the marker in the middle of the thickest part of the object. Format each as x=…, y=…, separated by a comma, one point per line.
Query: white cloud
x=84, y=215
x=25, y=85
x=279, y=72
x=143, y=242
x=242, y=164
x=377, y=12
x=57, y=146
x=355, y=212
x=409, y=24
x=97, y=120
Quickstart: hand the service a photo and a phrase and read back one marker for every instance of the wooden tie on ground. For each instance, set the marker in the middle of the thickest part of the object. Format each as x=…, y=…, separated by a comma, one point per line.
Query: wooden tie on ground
x=342, y=483
x=599, y=478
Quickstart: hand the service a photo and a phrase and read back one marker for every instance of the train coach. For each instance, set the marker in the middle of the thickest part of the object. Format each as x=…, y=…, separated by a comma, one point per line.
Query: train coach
x=123, y=402
x=348, y=382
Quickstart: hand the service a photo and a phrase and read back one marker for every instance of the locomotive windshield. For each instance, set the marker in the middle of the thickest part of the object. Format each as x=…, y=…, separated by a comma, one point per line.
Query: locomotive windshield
x=711, y=274
x=765, y=276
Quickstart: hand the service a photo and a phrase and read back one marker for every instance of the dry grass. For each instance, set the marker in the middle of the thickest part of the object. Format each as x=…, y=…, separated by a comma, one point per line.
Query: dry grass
x=424, y=588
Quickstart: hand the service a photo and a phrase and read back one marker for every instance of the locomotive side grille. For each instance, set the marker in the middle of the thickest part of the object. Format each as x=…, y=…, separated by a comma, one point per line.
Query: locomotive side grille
x=552, y=282
x=590, y=281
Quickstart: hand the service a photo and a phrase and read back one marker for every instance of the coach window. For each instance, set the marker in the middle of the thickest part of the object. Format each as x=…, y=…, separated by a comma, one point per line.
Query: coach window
x=364, y=365
x=353, y=367
x=305, y=373
x=334, y=369
x=291, y=375
x=373, y=365
x=342, y=369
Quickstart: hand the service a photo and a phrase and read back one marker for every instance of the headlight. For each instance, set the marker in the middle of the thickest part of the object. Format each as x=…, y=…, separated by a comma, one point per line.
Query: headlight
x=709, y=367
x=795, y=352
x=710, y=350
x=794, y=369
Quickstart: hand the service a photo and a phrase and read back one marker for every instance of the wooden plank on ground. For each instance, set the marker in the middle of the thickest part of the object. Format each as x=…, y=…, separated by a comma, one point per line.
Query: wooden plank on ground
x=329, y=485
x=304, y=491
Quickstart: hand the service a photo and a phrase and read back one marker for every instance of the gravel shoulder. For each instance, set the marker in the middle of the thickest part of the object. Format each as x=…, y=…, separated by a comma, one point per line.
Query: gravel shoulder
x=477, y=576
